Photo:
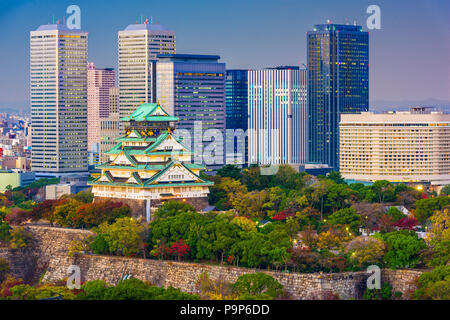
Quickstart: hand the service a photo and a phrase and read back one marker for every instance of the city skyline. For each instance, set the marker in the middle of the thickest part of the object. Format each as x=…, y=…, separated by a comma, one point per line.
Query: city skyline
x=408, y=56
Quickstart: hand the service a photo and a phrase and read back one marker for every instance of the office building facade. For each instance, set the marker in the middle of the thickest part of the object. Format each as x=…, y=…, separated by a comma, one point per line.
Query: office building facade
x=338, y=82
x=139, y=45
x=110, y=126
x=100, y=81
x=277, y=116
x=236, y=97
x=58, y=94
x=192, y=88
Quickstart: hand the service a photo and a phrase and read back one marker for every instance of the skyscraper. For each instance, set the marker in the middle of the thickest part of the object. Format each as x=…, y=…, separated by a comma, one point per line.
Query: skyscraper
x=109, y=126
x=99, y=83
x=139, y=45
x=236, y=96
x=192, y=88
x=277, y=109
x=58, y=83
x=338, y=82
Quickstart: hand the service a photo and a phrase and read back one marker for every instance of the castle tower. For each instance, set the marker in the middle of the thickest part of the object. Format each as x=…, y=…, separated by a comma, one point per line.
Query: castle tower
x=149, y=165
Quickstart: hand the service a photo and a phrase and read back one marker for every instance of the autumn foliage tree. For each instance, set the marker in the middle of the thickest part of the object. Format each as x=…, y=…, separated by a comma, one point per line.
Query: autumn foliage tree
x=179, y=249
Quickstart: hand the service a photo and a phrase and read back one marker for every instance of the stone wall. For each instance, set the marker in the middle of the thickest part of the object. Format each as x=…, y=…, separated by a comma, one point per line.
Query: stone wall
x=21, y=261
x=49, y=253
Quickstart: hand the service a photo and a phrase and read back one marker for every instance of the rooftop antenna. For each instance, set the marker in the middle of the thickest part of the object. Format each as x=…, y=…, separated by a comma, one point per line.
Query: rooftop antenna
x=141, y=18
x=64, y=20
x=151, y=19
x=53, y=19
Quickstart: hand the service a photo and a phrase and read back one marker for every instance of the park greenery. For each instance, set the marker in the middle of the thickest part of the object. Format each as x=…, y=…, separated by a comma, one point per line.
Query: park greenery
x=290, y=221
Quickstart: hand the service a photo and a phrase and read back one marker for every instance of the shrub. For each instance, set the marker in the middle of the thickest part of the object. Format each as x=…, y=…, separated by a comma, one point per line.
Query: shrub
x=100, y=245
x=19, y=238
x=385, y=293
x=434, y=285
x=5, y=231
x=4, y=269
x=257, y=286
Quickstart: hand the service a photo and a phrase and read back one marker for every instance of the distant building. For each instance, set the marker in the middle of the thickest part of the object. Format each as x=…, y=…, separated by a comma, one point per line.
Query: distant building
x=110, y=126
x=277, y=110
x=139, y=45
x=192, y=88
x=338, y=82
x=149, y=165
x=58, y=81
x=236, y=96
x=410, y=147
x=100, y=81
x=15, y=178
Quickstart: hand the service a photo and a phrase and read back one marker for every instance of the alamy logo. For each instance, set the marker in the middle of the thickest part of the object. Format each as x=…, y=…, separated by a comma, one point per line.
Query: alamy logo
x=374, y=281
x=374, y=20
x=74, y=280
x=74, y=20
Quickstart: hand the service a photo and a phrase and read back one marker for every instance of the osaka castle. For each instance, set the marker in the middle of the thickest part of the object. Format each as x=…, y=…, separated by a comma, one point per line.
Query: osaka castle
x=149, y=165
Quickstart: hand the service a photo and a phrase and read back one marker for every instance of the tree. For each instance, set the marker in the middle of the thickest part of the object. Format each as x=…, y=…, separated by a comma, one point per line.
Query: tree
x=65, y=214
x=347, y=216
x=17, y=216
x=403, y=248
x=172, y=208
x=364, y=251
x=425, y=208
x=85, y=196
x=384, y=191
x=244, y=223
x=395, y=214
x=215, y=289
x=4, y=269
x=440, y=227
x=124, y=237
x=93, y=290
x=259, y=286
x=20, y=238
x=230, y=171
x=5, y=234
x=434, y=285
x=93, y=214
x=179, y=249
x=445, y=191
x=336, y=177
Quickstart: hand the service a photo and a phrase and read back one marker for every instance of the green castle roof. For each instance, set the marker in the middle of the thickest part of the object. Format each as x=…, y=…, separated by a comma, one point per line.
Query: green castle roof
x=147, y=112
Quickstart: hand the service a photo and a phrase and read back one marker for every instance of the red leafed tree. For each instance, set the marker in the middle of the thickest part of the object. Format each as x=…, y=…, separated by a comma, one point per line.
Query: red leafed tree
x=179, y=249
x=6, y=285
x=406, y=223
x=283, y=215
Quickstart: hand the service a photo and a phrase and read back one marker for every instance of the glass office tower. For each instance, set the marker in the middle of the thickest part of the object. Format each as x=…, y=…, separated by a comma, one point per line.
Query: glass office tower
x=338, y=82
x=236, y=92
x=192, y=88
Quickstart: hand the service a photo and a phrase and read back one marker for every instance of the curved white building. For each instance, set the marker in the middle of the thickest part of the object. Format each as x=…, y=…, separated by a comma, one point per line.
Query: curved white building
x=410, y=147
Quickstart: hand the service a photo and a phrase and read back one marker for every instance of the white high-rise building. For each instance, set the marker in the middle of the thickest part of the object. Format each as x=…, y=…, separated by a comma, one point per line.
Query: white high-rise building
x=139, y=45
x=58, y=94
x=410, y=147
x=277, y=116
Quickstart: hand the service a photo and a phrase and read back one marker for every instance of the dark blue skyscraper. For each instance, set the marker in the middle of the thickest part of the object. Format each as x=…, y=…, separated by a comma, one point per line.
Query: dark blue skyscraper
x=236, y=89
x=338, y=82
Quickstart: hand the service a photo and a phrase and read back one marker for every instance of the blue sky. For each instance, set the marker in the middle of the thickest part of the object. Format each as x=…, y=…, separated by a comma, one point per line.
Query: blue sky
x=409, y=56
